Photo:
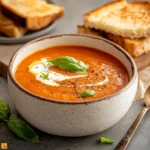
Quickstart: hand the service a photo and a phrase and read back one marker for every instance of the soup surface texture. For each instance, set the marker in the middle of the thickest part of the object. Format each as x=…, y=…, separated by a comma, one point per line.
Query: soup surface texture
x=105, y=74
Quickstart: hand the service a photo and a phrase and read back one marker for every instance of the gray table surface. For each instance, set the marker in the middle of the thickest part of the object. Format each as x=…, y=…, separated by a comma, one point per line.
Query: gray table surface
x=141, y=140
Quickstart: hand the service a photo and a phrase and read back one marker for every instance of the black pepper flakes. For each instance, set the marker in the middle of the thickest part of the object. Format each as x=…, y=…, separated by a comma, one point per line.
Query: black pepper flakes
x=119, y=76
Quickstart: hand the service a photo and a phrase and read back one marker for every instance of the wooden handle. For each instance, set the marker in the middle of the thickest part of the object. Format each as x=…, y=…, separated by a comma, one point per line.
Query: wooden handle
x=127, y=137
x=3, y=70
x=142, y=61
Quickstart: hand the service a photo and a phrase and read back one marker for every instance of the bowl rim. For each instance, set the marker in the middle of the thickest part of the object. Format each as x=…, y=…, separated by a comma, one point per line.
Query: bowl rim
x=133, y=66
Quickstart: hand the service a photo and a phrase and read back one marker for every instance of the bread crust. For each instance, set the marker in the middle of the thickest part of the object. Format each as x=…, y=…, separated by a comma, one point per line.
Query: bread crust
x=12, y=31
x=35, y=21
x=109, y=5
x=131, y=20
x=9, y=28
x=135, y=47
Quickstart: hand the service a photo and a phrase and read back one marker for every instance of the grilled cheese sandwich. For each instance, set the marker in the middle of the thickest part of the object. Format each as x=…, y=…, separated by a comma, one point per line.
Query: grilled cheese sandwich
x=126, y=24
x=130, y=20
x=31, y=14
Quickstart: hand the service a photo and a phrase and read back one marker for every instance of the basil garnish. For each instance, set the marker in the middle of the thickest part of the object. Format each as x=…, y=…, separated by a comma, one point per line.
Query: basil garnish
x=69, y=63
x=18, y=126
x=4, y=110
x=106, y=140
x=22, y=129
x=45, y=75
x=87, y=93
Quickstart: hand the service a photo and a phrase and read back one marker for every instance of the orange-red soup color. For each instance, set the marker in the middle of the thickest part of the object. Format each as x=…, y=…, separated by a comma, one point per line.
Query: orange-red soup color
x=100, y=64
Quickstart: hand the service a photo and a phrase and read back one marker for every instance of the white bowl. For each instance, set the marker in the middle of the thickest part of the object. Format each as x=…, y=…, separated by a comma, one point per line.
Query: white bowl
x=72, y=118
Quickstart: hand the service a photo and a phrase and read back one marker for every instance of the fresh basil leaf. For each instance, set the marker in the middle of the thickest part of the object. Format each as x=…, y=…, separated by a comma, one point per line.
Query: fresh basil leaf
x=87, y=93
x=44, y=75
x=106, y=140
x=22, y=129
x=4, y=110
x=69, y=63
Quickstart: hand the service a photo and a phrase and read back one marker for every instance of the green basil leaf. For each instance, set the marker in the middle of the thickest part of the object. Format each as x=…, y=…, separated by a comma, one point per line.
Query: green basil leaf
x=69, y=63
x=22, y=129
x=4, y=110
x=45, y=75
x=106, y=140
x=87, y=93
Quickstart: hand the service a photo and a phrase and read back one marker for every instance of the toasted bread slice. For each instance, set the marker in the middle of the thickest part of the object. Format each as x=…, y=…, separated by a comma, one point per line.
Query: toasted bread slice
x=9, y=28
x=130, y=20
x=135, y=47
x=31, y=14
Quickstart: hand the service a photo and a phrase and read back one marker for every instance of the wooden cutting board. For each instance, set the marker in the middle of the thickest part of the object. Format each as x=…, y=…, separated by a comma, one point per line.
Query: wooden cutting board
x=141, y=62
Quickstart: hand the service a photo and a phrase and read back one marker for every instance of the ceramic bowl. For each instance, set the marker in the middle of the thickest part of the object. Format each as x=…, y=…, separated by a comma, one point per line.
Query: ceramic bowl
x=72, y=118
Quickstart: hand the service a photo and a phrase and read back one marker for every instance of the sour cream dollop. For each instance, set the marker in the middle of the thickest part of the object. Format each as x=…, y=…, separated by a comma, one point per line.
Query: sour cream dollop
x=38, y=68
x=42, y=67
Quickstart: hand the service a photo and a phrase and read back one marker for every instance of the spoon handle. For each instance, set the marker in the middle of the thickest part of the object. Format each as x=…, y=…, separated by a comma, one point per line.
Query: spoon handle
x=127, y=137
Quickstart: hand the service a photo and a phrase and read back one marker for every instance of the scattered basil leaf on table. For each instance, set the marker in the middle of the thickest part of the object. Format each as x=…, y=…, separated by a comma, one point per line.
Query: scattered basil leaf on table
x=106, y=140
x=22, y=129
x=87, y=93
x=17, y=126
x=44, y=75
x=69, y=63
x=4, y=110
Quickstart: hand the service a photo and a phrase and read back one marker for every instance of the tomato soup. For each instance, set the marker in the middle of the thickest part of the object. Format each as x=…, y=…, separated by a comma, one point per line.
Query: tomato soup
x=71, y=73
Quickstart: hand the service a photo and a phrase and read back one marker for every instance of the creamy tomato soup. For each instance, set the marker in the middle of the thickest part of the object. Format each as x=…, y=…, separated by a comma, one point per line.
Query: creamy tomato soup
x=85, y=71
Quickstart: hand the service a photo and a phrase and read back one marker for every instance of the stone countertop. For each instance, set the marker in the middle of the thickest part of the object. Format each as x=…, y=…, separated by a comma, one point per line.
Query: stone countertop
x=141, y=140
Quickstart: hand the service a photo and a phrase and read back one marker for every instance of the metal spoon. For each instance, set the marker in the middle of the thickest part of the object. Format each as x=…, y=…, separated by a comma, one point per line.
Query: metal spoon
x=127, y=137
